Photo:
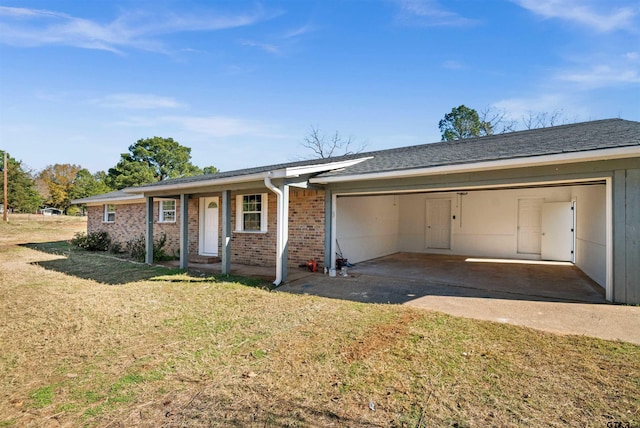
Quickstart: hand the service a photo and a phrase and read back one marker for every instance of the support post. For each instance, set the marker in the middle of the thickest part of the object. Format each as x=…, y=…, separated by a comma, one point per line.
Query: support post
x=285, y=230
x=184, y=231
x=149, y=235
x=225, y=251
x=5, y=206
x=328, y=209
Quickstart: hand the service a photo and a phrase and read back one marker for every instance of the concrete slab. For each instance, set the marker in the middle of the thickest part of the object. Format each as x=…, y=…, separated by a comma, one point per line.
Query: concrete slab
x=559, y=299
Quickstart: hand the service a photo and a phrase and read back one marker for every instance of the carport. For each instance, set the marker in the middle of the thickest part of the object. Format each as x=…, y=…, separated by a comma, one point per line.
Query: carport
x=534, y=229
x=566, y=193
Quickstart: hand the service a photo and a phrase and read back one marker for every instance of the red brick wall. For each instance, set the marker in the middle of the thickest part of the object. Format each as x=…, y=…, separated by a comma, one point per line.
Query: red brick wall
x=306, y=228
x=131, y=223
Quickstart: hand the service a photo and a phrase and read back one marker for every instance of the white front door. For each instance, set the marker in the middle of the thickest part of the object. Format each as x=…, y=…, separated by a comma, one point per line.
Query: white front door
x=529, y=223
x=209, y=226
x=557, y=231
x=438, y=224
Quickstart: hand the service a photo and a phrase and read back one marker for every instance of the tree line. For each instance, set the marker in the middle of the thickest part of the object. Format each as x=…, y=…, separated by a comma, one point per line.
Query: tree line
x=147, y=161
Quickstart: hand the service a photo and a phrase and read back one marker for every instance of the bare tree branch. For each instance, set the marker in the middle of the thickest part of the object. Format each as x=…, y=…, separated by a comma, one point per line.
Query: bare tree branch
x=324, y=147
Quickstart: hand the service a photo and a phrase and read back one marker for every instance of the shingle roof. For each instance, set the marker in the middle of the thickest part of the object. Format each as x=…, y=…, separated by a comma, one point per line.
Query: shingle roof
x=105, y=197
x=577, y=137
x=248, y=171
x=573, y=138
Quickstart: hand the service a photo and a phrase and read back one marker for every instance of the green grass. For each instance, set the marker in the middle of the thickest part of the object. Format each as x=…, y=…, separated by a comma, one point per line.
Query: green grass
x=42, y=397
x=97, y=341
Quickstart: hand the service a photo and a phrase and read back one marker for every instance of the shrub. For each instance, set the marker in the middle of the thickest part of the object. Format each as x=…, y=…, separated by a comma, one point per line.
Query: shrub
x=137, y=248
x=116, y=247
x=94, y=241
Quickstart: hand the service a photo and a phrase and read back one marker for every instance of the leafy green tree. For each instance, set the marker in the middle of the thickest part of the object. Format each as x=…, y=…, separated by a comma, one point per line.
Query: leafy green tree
x=463, y=122
x=150, y=160
x=86, y=184
x=210, y=170
x=22, y=194
x=58, y=180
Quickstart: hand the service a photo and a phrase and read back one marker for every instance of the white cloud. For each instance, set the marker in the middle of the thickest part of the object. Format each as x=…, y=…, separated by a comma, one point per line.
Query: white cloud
x=453, y=65
x=430, y=13
x=203, y=126
x=137, y=101
x=267, y=47
x=137, y=30
x=600, y=76
x=515, y=108
x=219, y=126
x=632, y=56
x=297, y=32
x=585, y=13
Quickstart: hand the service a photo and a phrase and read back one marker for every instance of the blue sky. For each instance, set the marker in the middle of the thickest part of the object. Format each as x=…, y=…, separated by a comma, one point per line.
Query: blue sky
x=241, y=83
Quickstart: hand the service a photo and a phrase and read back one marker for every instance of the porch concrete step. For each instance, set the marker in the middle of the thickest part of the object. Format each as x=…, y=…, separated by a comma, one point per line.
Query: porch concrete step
x=197, y=258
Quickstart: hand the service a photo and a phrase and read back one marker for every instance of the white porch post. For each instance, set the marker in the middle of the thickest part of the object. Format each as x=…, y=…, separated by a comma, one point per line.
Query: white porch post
x=285, y=231
x=149, y=235
x=225, y=251
x=184, y=231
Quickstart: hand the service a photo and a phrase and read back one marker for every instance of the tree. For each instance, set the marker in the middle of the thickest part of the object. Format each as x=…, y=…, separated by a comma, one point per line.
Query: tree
x=463, y=122
x=325, y=147
x=210, y=170
x=86, y=184
x=21, y=193
x=150, y=160
x=58, y=180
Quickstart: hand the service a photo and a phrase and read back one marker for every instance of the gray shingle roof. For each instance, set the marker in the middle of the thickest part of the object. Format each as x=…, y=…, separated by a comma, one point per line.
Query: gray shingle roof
x=104, y=197
x=573, y=138
x=577, y=137
x=248, y=171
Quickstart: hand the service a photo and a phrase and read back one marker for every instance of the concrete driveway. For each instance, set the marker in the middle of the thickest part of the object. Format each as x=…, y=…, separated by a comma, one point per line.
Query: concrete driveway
x=554, y=298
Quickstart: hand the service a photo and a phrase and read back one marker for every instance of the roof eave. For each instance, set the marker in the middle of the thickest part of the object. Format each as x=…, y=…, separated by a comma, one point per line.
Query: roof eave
x=594, y=155
x=287, y=172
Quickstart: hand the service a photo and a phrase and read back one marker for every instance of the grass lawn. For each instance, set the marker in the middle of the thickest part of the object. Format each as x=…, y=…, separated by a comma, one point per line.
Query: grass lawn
x=90, y=340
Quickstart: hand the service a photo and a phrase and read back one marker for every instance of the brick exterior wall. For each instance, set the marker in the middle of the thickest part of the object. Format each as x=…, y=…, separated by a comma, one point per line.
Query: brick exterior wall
x=306, y=228
x=131, y=223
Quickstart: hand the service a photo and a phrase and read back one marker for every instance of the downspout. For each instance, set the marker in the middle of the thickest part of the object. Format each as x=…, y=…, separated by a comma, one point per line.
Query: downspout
x=279, y=230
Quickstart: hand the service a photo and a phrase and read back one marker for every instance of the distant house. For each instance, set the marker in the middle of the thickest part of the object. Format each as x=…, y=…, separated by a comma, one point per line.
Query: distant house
x=50, y=211
x=569, y=193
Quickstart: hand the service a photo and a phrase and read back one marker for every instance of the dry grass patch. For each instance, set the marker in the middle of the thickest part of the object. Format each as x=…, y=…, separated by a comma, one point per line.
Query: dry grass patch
x=89, y=340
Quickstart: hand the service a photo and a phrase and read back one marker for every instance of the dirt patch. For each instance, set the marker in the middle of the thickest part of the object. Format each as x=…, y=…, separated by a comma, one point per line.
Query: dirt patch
x=380, y=338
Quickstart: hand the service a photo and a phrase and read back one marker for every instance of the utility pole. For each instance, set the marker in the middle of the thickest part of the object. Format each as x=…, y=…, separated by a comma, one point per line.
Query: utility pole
x=5, y=206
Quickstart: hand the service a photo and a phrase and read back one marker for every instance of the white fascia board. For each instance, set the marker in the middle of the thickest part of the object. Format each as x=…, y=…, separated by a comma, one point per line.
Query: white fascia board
x=204, y=183
x=311, y=169
x=130, y=199
x=605, y=154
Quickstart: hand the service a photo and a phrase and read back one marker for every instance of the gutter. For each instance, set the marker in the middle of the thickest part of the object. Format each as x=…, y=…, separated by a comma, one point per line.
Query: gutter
x=279, y=229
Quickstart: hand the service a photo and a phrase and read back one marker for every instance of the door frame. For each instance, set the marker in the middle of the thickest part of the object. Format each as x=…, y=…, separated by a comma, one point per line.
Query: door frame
x=427, y=226
x=202, y=202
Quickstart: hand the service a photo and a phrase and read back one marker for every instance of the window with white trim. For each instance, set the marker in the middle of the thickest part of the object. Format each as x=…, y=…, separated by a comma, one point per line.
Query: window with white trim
x=167, y=212
x=251, y=213
x=109, y=213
